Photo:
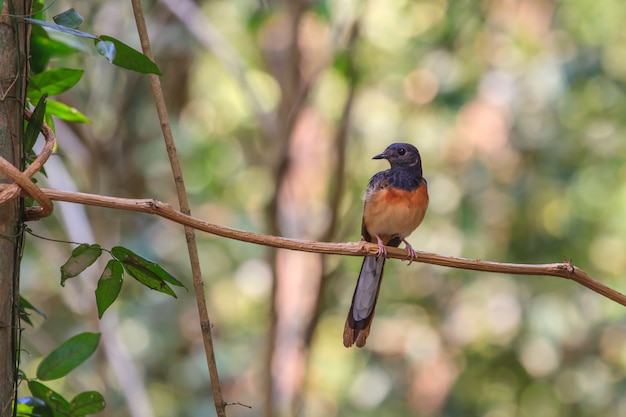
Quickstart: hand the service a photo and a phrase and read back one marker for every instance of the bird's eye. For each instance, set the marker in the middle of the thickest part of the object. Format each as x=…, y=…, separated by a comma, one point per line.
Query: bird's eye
x=401, y=151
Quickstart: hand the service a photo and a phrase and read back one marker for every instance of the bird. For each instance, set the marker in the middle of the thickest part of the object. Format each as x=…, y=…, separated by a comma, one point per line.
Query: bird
x=395, y=204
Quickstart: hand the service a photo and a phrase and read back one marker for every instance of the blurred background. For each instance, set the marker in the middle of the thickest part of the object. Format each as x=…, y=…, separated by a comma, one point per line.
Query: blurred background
x=277, y=108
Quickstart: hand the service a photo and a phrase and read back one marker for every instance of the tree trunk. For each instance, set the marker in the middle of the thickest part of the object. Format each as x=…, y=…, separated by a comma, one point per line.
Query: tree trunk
x=13, y=69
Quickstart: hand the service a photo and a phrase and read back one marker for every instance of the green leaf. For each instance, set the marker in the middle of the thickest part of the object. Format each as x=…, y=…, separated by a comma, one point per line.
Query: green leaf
x=107, y=50
x=50, y=397
x=35, y=124
x=38, y=9
x=28, y=306
x=25, y=317
x=43, y=47
x=148, y=278
x=65, y=112
x=69, y=18
x=109, y=285
x=25, y=305
x=68, y=356
x=82, y=257
x=59, y=28
x=88, y=402
x=32, y=406
x=141, y=269
x=123, y=253
x=127, y=57
x=54, y=81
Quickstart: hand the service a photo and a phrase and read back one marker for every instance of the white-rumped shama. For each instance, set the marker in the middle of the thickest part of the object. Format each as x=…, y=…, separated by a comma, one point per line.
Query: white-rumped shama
x=395, y=204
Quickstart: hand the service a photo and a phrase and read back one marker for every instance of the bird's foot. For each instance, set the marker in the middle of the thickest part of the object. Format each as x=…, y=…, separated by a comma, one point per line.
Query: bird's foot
x=382, y=250
x=412, y=254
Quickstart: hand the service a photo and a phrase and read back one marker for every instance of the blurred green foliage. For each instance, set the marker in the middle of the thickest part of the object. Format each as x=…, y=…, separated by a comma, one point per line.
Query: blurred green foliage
x=516, y=108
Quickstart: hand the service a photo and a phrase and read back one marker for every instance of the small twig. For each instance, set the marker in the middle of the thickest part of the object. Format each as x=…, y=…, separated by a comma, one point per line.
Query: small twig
x=563, y=270
x=238, y=403
x=3, y=94
x=30, y=232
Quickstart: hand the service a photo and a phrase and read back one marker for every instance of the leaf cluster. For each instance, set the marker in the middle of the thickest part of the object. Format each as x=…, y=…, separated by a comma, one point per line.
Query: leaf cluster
x=46, y=402
x=60, y=39
x=145, y=271
x=47, y=44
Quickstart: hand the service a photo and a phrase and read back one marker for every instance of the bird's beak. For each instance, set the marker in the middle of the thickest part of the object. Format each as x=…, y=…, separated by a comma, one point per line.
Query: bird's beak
x=379, y=156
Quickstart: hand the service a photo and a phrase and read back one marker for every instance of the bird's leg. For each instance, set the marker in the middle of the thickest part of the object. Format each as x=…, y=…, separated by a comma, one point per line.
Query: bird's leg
x=411, y=251
x=382, y=250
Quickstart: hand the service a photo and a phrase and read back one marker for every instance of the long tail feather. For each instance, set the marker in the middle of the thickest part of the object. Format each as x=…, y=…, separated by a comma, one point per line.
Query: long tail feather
x=361, y=312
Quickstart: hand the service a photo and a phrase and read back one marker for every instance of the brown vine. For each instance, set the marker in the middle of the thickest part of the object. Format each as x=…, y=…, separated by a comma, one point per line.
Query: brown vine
x=562, y=270
x=23, y=179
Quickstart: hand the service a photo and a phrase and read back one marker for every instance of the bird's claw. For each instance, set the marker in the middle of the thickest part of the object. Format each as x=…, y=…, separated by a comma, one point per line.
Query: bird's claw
x=412, y=255
x=382, y=250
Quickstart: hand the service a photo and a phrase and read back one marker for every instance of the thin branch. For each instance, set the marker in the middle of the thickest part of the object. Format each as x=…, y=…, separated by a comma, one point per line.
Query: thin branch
x=562, y=270
x=192, y=248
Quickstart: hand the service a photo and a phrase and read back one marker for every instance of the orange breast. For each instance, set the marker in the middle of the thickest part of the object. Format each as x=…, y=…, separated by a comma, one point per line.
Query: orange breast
x=392, y=213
